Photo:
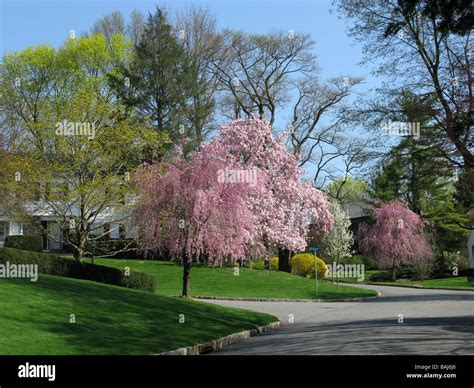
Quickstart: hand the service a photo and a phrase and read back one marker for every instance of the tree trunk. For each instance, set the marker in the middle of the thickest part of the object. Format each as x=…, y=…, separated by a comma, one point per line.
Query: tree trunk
x=186, y=276
x=80, y=250
x=284, y=260
x=394, y=273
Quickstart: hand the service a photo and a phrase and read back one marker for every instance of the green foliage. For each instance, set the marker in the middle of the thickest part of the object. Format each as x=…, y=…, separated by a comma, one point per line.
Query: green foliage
x=423, y=268
x=57, y=266
x=446, y=261
x=164, y=87
x=346, y=189
x=302, y=264
x=383, y=276
x=66, y=125
x=24, y=242
x=256, y=264
x=368, y=262
x=448, y=219
x=407, y=174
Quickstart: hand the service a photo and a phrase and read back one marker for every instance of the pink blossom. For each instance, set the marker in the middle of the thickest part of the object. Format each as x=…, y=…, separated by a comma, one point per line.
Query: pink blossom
x=187, y=211
x=396, y=237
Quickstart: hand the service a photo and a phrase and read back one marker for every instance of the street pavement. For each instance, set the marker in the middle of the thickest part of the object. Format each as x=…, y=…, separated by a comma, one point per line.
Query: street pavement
x=400, y=321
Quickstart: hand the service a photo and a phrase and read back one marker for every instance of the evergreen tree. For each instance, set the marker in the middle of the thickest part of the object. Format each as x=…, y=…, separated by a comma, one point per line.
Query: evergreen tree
x=159, y=83
x=415, y=172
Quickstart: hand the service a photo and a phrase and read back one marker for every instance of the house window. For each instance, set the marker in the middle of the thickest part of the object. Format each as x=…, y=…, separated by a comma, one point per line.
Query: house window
x=114, y=231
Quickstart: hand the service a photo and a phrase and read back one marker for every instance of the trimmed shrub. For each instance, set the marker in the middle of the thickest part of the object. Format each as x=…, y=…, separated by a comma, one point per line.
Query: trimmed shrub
x=58, y=266
x=256, y=264
x=302, y=264
x=274, y=263
x=385, y=276
x=24, y=242
x=406, y=271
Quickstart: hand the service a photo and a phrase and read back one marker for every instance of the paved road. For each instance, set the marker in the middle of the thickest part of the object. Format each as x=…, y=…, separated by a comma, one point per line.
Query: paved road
x=435, y=322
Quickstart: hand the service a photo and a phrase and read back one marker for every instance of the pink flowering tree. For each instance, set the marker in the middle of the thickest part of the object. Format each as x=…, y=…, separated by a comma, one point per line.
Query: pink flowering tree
x=186, y=211
x=285, y=206
x=396, y=238
x=238, y=194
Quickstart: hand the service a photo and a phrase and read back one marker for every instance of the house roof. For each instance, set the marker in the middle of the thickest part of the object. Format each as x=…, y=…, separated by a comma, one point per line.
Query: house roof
x=358, y=209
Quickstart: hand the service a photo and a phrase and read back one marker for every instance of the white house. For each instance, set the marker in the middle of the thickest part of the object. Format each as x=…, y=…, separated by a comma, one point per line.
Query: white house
x=45, y=223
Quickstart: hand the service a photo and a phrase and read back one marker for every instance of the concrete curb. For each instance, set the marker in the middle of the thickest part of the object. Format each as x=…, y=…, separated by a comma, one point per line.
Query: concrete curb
x=239, y=299
x=220, y=343
x=421, y=287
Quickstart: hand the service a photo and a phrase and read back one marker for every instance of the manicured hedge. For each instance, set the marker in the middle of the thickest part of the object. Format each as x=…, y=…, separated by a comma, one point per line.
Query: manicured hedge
x=58, y=266
x=25, y=242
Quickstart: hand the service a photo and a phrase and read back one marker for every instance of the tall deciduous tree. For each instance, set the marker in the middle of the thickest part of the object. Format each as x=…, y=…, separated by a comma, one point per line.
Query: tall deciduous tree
x=346, y=189
x=197, y=33
x=261, y=75
x=70, y=145
x=414, y=49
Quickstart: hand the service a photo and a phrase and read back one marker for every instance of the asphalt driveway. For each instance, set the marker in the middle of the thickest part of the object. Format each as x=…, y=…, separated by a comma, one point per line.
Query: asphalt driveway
x=432, y=322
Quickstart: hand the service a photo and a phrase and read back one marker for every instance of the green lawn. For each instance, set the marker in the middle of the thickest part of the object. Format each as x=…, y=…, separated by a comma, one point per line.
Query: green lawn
x=222, y=282
x=34, y=319
x=454, y=282
x=367, y=275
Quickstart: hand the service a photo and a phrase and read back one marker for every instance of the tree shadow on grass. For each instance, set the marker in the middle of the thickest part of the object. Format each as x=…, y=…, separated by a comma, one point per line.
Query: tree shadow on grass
x=112, y=320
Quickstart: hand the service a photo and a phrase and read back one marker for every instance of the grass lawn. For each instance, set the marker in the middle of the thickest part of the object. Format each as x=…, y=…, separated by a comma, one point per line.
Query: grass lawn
x=367, y=275
x=34, y=319
x=222, y=282
x=455, y=282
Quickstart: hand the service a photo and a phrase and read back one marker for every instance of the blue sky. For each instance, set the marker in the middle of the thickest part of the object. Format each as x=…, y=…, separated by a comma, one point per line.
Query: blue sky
x=26, y=23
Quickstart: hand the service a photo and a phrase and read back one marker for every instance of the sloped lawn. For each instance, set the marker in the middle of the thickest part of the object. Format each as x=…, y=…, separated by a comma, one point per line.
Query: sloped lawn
x=110, y=320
